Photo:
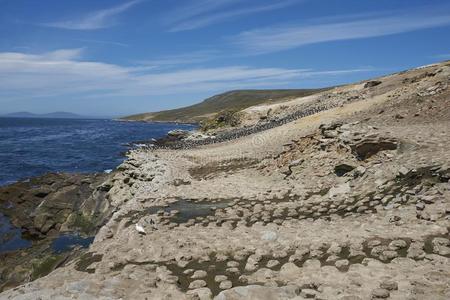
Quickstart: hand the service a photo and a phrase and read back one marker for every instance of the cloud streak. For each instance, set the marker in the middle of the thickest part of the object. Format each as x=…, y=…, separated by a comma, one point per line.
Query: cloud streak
x=202, y=13
x=95, y=20
x=64, y=72
x=287, y=37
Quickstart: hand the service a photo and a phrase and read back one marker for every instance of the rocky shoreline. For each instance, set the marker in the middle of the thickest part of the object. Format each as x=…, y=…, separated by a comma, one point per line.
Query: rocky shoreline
x=348, y=202
x=51, y=211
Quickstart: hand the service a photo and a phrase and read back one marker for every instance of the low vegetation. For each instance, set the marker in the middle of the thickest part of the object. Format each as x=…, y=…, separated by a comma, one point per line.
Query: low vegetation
x=226, y=118
x=230, y=101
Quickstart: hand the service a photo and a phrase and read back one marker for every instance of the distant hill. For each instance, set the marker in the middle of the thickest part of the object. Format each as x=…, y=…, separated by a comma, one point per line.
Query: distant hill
x=53, y=115
x=233, y=100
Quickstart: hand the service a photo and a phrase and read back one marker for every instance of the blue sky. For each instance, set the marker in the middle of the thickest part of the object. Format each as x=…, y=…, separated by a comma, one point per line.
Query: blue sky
x=117, y=57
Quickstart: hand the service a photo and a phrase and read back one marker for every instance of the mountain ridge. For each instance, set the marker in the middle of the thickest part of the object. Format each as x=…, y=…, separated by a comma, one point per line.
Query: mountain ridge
x=231, y=100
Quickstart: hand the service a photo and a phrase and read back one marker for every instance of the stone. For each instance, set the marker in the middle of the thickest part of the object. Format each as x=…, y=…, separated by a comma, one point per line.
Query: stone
x=308, y=293
x=197, y=284
x=420, y=206
x=272, y=263
x=232, y=270
x=403, y=171
x=200, y=294
x=269, y=236
x=341, y=263
x=389, y=285
x=360, y=170
x=429, y=199
x=220, y=278
x=373, y=243
x=388, y=255
x=397, y=244
x=380, y=294
x=415, y=252
x=368, y=147
x=232, y=264
x=441, y=246
x=199, y=274
x=225, y=285
x=372, y=83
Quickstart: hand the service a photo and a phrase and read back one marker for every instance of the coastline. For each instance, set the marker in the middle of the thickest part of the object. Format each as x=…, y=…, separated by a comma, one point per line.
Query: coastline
x=345, y=201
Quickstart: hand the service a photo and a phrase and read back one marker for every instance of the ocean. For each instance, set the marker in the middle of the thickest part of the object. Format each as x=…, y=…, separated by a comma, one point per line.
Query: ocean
x=31, y=147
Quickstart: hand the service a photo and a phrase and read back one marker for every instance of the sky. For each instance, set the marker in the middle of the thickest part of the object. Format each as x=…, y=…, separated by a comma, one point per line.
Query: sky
x=120, y=57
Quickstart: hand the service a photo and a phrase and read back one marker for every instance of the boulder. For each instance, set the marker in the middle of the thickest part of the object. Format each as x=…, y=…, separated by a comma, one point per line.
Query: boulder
x=367, y=147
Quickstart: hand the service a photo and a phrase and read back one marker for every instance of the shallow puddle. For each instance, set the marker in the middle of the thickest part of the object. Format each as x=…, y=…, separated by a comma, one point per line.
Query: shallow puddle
x=67, y=242
x=186, y=210
x=10, y=236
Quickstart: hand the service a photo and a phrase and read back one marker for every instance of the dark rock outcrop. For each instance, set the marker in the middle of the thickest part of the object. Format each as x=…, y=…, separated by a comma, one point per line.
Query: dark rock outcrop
x=43, y=208
x=367, y=147
x=56, y=202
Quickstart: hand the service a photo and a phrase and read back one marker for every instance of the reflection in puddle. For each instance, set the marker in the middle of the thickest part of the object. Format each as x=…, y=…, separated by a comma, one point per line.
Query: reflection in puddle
x=67, y=242
x=10, y=236
x=185, y=210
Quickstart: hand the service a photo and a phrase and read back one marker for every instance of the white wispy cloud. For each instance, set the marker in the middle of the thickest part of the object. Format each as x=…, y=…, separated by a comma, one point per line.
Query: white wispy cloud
x=102, y=42
x=65, y=72
x=201, y=13
x=95, y=20
x=175, y=60
x=286, y=37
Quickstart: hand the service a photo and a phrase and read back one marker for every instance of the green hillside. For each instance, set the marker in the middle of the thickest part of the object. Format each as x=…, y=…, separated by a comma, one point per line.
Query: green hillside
x=233, y=100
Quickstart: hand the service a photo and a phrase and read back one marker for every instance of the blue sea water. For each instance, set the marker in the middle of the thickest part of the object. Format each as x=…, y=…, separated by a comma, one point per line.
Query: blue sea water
x=31, y=147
